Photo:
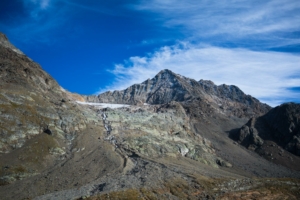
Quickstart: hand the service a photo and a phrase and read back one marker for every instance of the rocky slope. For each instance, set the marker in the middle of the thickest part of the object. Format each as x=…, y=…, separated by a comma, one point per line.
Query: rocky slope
x=33, y=107
x=156, y=131
x=178, y=147
x=167, y=86
x=275, y=135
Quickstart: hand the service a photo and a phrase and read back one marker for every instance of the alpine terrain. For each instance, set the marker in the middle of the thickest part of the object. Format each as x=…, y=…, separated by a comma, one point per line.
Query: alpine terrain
x=170, y=137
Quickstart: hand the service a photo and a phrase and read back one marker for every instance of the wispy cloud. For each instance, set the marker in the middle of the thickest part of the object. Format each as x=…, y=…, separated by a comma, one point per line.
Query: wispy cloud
x=44, y=18
x=36, y=8
x=39, y=20
x=264, y=75
x=271, y=21
x=42, y=4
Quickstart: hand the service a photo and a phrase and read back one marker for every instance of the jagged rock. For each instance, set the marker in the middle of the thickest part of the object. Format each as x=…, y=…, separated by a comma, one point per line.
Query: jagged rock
x=167, y=86
x=223, y=163
x=248, y=135
x=281, y=124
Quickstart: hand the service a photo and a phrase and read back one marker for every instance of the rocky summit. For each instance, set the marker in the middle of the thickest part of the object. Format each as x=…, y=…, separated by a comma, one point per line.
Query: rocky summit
x=170, y=137
x=167, y=86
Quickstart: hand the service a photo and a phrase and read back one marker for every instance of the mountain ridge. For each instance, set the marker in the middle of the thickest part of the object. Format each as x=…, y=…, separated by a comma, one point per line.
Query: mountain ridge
x=168, y=86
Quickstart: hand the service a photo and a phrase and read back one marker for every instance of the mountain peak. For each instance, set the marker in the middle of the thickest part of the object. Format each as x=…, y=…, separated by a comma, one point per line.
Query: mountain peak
x=169, y=72
x=166, y=71
x=168, y=86
x=168, y=77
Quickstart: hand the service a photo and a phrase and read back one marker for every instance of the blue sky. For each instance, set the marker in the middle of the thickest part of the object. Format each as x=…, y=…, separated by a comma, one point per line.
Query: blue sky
x=90, y=46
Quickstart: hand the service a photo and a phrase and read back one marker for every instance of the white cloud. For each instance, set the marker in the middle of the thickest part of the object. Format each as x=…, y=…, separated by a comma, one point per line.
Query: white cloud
x=264, y=75
x=267, y=20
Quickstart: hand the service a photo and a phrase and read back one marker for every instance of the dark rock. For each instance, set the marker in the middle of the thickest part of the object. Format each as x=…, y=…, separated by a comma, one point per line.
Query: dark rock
x=248, y=135
x=47, y=131
x=223, y=163
x=281, y=125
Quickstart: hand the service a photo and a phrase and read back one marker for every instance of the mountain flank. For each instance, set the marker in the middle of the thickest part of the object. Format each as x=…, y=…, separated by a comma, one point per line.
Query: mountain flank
x=275, y=135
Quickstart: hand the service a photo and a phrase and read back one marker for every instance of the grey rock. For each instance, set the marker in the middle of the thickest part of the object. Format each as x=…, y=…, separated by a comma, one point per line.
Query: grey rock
x=167, y=86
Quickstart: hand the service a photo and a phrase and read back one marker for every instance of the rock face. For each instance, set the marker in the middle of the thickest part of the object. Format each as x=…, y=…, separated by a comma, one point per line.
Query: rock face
x=155, y=131
x=284, y=122
x=167, y=86
x=274, y=136
x=248, y=135
x=281, y=125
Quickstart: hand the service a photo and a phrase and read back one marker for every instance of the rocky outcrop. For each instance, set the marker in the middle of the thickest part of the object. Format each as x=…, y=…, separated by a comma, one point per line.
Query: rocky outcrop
x=284, y=123
x=158, y=130
x=167, y=86
x=248, y=135
x=281, y=124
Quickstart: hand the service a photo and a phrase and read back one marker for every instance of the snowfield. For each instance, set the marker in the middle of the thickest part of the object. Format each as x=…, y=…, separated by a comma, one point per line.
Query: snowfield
x=103, y=105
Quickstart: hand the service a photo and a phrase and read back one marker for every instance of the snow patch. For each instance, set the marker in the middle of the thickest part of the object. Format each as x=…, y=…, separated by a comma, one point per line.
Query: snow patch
x=103, y=105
